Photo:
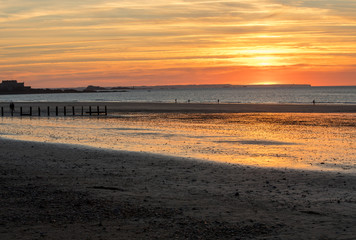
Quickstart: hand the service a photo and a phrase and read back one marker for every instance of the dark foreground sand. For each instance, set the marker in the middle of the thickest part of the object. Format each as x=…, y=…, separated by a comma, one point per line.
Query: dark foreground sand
x=68, y=192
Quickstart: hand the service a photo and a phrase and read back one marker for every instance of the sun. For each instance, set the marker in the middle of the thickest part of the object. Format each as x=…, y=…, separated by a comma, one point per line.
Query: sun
x=266, y=83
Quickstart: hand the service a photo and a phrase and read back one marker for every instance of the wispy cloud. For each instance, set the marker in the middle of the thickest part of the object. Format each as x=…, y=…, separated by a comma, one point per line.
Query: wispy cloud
x=51, y=38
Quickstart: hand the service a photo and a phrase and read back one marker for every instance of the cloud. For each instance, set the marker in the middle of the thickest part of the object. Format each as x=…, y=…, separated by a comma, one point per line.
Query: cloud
x=161, y=34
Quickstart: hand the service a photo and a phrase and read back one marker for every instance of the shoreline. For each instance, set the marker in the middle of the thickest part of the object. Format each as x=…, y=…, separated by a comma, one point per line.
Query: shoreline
x=122, y=107
x=64, y=191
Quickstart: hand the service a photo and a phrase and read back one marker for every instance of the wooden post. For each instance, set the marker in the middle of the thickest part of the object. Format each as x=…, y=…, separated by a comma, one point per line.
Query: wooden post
x=90, y=110
x=73, y=110
x=65, y=111
x=97, y=108
x=30, y=111
x=106, y=111
x=82, y=110
x=56, y=110
x=39, y=111
x=48, y=111
x=2, y=111
x=20, y=112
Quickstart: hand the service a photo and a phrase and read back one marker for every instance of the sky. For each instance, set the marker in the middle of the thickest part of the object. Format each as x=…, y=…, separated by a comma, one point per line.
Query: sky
x=51, y=43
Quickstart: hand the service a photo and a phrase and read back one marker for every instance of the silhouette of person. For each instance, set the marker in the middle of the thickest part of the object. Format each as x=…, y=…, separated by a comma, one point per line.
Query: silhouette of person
x=12, y=108
x=313, y=102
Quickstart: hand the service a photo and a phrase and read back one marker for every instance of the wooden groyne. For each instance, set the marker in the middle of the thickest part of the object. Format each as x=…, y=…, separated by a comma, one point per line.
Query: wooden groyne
x=55, y=111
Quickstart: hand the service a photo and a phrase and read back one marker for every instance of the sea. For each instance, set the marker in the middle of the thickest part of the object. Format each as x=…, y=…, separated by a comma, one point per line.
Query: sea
x=268, y=94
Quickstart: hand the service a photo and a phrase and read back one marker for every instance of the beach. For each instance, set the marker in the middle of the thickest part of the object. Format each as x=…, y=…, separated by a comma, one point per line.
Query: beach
x=70, y=191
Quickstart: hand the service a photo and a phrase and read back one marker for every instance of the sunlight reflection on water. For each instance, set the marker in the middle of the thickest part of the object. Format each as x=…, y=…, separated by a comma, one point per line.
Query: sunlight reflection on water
x=303, y=141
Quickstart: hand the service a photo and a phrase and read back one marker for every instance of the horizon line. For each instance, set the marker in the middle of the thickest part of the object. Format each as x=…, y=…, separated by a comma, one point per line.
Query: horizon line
x=198, y=85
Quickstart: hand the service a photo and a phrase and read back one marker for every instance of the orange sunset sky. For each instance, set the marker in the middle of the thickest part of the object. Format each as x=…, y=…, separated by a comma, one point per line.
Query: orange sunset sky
x=48, y=43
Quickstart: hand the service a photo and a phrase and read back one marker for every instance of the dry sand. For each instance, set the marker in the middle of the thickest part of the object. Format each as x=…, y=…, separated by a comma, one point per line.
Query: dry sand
x=118, y=107
x=69, y=192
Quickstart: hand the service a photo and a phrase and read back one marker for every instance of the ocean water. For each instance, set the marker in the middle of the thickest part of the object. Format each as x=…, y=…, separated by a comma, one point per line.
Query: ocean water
x=324, y=142
x=328, y=95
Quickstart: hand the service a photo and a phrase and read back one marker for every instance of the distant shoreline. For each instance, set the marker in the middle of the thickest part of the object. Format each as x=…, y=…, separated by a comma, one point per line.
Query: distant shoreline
x=99, y=89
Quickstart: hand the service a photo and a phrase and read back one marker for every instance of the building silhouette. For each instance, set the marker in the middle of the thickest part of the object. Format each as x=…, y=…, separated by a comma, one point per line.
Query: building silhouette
x=13, y=86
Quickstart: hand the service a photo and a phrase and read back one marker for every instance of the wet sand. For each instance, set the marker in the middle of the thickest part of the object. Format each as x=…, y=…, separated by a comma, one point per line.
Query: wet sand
x=118, y=107
x=53, y=191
